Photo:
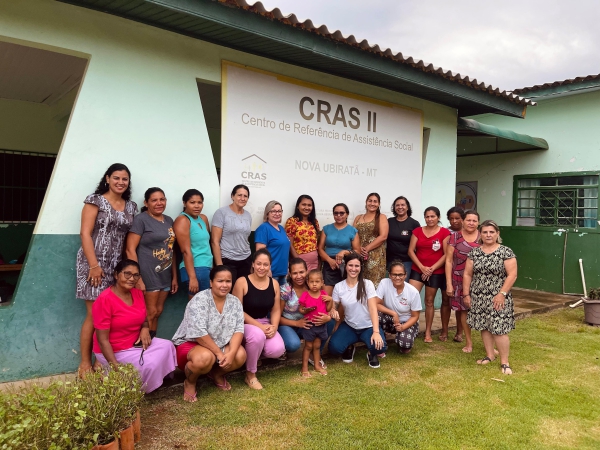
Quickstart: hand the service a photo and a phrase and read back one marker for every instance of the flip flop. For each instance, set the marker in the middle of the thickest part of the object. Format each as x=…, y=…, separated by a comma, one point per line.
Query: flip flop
x=506, y=367
x=305, y=375
x=321, y=372
x=457, y=338
x=485, y=361
x=224, y=387
x=428, y=340
x=254, y=384
x=190, y=398
x=443, y=338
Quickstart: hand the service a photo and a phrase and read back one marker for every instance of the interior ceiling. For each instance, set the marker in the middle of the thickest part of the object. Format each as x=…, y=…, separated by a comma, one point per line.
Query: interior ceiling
x=39, y=76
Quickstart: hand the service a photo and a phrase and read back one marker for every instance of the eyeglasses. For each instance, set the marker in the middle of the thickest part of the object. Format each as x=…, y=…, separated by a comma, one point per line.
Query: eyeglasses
x=397, y=275
x=128, y=275
x=276, y=211
x=338, y=213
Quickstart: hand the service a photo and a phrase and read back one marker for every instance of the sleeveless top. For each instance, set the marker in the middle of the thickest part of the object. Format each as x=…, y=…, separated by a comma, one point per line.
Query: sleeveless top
x=199, y=243
x=258, y=303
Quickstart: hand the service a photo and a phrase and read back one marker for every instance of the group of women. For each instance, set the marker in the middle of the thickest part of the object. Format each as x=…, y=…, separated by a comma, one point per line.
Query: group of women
x=245, y=306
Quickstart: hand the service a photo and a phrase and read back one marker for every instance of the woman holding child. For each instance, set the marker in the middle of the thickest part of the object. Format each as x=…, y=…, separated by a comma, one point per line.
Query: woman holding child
x=259, y=294
x=356, y=300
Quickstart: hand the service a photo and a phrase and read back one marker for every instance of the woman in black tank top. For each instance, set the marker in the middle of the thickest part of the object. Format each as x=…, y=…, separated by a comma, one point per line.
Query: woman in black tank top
x=259, y=294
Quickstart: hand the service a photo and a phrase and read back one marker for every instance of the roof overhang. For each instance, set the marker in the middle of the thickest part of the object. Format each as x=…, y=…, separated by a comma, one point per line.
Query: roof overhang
x=231, y=24
x=475, y=138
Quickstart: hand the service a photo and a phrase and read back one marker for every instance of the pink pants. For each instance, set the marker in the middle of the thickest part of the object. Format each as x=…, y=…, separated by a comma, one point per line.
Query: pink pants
x=311, y=259
x=257, y=345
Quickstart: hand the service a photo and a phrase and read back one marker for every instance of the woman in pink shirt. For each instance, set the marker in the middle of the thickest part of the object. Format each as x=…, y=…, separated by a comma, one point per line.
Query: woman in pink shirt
x=427, y=250
x=122, y=334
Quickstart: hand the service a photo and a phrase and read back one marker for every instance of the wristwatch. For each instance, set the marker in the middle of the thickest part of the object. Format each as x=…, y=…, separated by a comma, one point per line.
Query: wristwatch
x=504, y=293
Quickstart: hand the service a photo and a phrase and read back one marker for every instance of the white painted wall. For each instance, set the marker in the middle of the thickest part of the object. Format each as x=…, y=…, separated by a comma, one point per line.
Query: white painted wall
x=139, y=105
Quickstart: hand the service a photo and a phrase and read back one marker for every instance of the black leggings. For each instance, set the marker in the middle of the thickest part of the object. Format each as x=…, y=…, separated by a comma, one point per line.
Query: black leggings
x=238, y=268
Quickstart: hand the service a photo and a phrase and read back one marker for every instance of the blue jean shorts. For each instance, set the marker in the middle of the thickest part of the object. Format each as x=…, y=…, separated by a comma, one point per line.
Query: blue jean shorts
x=202, y=274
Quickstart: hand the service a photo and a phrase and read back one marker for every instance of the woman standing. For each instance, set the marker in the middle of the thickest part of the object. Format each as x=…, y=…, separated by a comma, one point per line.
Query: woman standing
x=490, y=273
x=259, y=294
x=105, y=220
x=400, y=227
x=231, y=226
x=122, y=335
x=150, y=243
x=337, y=240
x=209, y=339
x=373, y=231
x=192, y=231
x=459, y=246
x=292, y=322
x=303, y=229
x=428, y=251
x=356, y=301
x=455, y=217
x=399, y=313
x=272, y=236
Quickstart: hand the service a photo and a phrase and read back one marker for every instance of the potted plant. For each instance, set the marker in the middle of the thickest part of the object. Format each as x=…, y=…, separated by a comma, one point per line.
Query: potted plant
x=591, y=307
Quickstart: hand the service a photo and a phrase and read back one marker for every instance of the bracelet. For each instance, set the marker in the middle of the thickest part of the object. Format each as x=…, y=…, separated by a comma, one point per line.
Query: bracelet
x=96, y=266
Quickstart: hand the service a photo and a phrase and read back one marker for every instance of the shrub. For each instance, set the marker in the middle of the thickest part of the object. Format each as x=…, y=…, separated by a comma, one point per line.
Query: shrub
x=69, y=415
x=594, y=294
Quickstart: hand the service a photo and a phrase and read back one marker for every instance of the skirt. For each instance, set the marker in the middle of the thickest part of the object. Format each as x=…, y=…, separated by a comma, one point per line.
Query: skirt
x=154, y=365
x=311, y=259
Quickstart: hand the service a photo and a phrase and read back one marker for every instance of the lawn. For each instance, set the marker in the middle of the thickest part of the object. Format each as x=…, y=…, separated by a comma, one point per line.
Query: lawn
x=435, y=397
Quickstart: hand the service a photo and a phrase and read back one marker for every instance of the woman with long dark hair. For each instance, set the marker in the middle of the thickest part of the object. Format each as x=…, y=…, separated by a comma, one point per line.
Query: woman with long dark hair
x=192, y=231
x=105, y=220
x=356, y=301
x=150, y=242
x=373, y=231
x=303, y=230
x=401, y=227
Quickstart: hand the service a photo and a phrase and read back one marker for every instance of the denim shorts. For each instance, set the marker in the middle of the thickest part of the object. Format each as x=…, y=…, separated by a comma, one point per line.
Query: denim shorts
x=202, y=274
x=167, y=289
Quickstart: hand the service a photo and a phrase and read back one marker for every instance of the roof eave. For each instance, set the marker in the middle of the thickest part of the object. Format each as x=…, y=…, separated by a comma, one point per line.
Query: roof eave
x=309, y=50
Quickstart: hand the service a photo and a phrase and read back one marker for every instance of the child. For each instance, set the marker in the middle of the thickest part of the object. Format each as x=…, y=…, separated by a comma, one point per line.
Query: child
x=311, y=303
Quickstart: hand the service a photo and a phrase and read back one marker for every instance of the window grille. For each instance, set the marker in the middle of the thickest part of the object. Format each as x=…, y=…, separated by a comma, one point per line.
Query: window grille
x=556, y=201
x=24, y=178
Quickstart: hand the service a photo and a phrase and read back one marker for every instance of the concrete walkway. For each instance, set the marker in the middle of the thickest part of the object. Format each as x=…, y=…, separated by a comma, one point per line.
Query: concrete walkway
x=527, y=303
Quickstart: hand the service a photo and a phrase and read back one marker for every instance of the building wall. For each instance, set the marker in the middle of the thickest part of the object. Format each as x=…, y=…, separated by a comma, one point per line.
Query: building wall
x=570, y=125
x=139, y=105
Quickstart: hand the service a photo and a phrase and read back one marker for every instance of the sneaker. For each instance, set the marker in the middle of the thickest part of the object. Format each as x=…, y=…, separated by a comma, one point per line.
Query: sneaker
x=348, y=355
x=373, y=361
x=312, y=363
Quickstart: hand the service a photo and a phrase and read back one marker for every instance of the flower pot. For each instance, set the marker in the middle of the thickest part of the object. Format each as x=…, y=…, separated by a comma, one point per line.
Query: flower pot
x=126, y=438
x=137, y=427
x=114, y=445
x=591, y=309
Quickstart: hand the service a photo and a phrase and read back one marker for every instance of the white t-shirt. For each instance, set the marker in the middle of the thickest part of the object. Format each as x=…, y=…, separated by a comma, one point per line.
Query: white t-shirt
x=403, y=304
x=356, y=313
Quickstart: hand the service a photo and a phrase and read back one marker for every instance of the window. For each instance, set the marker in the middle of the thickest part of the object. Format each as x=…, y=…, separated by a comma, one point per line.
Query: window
x=557, y=201
x=24, y=178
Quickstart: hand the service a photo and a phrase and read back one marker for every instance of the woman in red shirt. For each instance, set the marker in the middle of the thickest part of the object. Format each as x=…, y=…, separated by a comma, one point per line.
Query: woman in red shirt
x=427, y=250
x=122, y=335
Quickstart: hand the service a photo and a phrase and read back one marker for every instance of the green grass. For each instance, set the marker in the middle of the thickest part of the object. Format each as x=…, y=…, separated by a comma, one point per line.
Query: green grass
x=436, y=397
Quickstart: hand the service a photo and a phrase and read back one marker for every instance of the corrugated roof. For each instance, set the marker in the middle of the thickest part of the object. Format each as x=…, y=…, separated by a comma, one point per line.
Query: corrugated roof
x=539, y=87
x=308, y=25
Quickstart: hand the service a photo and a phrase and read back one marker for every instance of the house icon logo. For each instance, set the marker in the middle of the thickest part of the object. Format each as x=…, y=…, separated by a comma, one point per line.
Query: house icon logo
x=254, y=168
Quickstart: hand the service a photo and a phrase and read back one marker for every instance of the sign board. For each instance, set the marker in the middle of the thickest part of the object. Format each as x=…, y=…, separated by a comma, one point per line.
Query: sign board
x=283, y=137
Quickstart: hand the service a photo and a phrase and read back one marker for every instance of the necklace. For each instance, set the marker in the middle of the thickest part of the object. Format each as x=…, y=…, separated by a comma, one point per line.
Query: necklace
x=156, y=217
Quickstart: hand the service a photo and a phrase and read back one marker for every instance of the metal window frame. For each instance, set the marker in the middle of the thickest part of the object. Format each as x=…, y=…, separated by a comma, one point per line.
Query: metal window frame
x=556, y=175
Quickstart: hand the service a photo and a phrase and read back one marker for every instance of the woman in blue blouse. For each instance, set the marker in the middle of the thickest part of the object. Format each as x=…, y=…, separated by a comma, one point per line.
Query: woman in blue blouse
x=272, y=235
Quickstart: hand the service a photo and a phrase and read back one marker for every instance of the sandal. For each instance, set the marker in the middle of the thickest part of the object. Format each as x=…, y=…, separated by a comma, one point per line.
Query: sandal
x=190, y=398
x=224, y=387
x=457, y=338
x=485, y=361
x=428, y=340
x=305, y=375
x=506, y=367
x=443, y=338
x=322, y=372
x=254, y=384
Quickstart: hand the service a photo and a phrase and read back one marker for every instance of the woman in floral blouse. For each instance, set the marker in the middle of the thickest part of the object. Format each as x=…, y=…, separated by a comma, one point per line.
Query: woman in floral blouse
x=303, y=230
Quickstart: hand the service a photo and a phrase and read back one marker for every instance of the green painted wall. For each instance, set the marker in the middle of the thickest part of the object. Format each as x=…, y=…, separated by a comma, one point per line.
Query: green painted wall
x=138, y=104
x=570, y=125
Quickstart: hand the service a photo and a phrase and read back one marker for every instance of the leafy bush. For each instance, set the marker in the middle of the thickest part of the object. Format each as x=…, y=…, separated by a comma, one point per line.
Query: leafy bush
x=70, y=415
x=594, y=294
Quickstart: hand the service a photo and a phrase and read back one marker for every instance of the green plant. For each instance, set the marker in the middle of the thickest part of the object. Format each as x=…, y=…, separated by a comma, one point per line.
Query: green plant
x=594, y=294
x=68, y=415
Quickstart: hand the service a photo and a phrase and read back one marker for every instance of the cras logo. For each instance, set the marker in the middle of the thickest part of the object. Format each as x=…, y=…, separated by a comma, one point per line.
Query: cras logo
x=254, y=168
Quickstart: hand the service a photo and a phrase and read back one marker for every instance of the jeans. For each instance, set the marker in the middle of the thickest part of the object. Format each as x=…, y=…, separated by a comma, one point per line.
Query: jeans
x=281, y=279
x=202, y=275
x=291, y=336
x=346, y=336
x=407, y=268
